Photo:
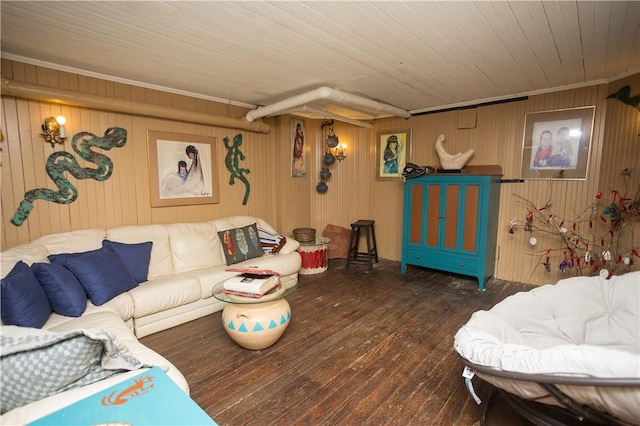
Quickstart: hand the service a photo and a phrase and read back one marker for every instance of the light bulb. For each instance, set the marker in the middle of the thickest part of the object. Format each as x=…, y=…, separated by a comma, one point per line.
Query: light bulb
x=62, y=121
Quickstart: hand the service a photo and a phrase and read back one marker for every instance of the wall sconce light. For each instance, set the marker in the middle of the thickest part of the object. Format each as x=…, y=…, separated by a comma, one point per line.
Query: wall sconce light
x=53, y=128
x=340, y=152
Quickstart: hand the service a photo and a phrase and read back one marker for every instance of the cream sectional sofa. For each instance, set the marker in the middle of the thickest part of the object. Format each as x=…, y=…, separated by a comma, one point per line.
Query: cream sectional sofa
x=187, y=260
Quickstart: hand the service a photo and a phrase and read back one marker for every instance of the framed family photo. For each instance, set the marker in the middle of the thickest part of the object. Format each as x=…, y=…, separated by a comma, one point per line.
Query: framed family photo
x=182, y=169
x=393, y=150
x=556, y=144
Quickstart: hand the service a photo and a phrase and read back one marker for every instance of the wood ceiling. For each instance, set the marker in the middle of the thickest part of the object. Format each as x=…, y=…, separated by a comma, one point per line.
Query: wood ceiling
x=416, y=55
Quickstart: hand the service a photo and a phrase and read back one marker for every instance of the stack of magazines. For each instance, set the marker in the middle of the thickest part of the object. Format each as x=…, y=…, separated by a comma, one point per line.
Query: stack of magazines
x=255, y=283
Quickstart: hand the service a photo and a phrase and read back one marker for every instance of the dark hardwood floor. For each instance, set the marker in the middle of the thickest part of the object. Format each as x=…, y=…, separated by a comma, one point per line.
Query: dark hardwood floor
x=362, y=348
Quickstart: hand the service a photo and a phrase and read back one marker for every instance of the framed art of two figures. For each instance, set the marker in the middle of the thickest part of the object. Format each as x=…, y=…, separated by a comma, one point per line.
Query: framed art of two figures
x=556, y=144
x=182, y=169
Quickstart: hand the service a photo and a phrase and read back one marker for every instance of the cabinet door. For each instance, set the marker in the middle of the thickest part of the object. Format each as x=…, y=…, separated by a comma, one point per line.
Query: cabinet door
x=470, y=218
x=460, y=212
x=416, y=206
x=424, y=216
x=433, y=215
x=450, y=210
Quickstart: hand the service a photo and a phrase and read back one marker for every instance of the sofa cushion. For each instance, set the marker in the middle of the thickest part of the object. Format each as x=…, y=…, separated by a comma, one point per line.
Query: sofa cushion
x=135, y=257
x=64, y=291
x=161, y=261
x=101, y=273
x=240, y=244
x=194, y=246
x=74, y=241
x=29, y=253
x=23, y=302
x=97, y=319
x=120, y=307
x=176, y=290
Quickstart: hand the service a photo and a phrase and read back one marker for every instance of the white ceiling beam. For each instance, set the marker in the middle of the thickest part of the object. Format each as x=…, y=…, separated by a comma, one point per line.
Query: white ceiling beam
x=327, y=94
x=327, y=114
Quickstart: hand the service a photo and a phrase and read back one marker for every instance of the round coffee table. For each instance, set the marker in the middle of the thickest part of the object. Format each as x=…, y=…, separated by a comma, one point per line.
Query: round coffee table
x=257, y=323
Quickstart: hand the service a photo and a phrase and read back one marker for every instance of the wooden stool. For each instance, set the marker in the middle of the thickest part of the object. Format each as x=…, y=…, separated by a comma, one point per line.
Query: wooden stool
x=371, y=255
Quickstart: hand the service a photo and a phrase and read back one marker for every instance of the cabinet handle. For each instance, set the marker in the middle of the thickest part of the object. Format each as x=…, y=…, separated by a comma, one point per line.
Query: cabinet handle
x=418, y=257
x=440, y=217
x=462, y=265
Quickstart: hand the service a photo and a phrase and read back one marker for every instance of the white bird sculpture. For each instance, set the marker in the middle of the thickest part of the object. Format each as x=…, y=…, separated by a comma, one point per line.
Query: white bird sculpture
x=451, y=161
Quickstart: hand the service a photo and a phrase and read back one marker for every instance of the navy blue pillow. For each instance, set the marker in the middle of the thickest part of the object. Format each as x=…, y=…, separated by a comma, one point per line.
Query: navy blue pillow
x=22, y=300
x=59, y=259
x=135, y=257
x=66, y=295
x=101, y=273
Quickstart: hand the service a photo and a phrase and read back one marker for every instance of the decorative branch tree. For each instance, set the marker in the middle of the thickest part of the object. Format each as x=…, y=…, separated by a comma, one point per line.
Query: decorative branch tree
x=598, y=240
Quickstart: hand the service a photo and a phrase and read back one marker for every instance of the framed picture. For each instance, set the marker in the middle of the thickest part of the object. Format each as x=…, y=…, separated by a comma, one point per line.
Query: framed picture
x=182, y=169
x=298, y=156
x=393, y=150
x=556, y=144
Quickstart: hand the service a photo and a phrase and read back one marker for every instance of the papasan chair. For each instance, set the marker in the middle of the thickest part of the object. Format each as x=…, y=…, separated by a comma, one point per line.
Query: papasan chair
x=572, y=349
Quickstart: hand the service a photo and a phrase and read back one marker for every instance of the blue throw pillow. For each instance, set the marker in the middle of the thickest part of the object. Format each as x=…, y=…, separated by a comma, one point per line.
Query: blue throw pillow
x=135, y=257
x=66, y=295
x=22, y=300
x=59, y=259
x=101, y=273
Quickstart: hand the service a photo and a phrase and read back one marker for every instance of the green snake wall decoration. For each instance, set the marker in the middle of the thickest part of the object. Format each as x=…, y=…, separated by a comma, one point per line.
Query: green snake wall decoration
x=232, y=161
x=62, y=161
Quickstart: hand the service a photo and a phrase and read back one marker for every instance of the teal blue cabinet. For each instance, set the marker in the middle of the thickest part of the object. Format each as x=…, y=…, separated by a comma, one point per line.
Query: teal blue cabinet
x=450, y=223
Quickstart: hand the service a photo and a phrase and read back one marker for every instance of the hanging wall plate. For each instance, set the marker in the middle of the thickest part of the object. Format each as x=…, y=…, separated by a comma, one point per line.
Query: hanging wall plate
x=329, y=159
x=322, y=188
x=325, y=173
x=332, y=141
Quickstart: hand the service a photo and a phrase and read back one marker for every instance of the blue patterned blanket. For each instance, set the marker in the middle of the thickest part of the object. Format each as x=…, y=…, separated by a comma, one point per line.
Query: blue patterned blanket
x=34, y=366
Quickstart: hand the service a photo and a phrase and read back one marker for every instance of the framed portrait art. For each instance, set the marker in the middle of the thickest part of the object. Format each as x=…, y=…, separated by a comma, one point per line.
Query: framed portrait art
x=393, y=150
x=298, y=157
x=182, y=169
x=556, y=144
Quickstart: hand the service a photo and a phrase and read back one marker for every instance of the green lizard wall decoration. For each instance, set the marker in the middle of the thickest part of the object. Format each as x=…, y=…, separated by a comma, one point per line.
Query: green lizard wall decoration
x=232, y=161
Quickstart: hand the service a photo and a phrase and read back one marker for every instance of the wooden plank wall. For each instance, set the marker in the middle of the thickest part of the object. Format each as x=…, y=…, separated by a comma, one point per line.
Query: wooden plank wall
x=124, y=198
x=494, y=131
x=497, y=139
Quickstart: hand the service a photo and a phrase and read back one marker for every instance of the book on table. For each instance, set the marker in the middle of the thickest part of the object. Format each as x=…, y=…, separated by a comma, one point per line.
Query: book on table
x=251, y=284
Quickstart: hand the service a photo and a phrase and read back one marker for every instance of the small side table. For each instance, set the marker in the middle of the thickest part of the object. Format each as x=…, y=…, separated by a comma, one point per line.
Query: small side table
x=257, y=323
x=314, y=256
